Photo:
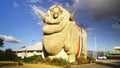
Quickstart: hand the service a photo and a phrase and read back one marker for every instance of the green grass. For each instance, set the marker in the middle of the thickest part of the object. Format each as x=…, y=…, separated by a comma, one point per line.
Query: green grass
x=7, y=64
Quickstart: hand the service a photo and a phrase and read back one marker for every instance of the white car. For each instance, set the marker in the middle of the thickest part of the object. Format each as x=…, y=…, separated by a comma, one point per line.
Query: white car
x=102, y=57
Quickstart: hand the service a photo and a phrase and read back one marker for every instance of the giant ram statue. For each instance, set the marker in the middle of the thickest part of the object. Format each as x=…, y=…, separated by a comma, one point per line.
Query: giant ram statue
x=62, y=38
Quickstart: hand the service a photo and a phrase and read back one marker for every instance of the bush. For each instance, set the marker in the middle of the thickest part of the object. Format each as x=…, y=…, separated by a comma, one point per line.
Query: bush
x=39, y=59
x=27, y=60
x=32, y=59
x=59, y=62
x=47, y=59
x=91, y=59
x=81, y=60
x=17, y=59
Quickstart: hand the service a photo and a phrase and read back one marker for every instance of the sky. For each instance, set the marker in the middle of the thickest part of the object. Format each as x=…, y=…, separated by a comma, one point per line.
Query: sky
x=20, y=25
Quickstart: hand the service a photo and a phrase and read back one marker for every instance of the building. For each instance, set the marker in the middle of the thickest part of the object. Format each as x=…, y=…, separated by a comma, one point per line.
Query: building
x=28, y=51
x=117, y=48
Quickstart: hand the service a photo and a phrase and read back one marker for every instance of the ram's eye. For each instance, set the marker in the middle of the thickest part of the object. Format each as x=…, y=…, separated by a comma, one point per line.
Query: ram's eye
x=55, y=16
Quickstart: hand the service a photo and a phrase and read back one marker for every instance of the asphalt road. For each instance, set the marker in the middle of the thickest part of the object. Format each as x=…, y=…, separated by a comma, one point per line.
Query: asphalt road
x=109, y=63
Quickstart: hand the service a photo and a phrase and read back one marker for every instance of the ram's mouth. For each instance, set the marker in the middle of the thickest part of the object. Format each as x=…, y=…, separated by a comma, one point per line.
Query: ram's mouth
x=51, y=23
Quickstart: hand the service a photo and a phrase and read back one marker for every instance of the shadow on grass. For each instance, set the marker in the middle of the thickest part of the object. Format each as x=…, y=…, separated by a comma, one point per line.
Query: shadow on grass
x=112, y=65
x=7, y=64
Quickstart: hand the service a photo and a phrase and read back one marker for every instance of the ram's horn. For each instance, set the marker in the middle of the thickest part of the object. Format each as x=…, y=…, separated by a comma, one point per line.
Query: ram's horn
x=72, y=15
x=42, y=16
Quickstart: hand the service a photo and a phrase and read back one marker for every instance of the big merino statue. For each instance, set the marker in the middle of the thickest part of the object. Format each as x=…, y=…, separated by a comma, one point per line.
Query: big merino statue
x=61, y=35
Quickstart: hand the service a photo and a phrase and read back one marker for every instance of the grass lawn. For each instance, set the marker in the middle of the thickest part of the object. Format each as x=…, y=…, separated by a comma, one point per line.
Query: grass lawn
x=7, y=63
x=10, y=64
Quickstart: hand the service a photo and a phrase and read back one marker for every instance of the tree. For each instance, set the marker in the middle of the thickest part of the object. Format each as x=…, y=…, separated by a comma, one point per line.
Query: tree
x=1, y=55
x=1, y=42
x=102, y=54
x=9, y=55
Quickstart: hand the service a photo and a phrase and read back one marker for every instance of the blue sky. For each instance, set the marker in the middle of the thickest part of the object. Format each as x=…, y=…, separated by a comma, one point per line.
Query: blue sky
x=21, y=26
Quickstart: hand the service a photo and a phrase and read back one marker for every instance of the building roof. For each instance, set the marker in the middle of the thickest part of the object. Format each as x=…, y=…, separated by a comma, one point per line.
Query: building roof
x=36, y=46
x=117, y=48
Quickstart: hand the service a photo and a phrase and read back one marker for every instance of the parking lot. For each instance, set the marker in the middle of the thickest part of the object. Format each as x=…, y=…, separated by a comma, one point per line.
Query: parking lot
x=109, y=63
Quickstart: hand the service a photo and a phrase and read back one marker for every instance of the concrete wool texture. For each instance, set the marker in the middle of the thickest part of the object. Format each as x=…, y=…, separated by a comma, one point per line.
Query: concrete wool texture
x=61, y=34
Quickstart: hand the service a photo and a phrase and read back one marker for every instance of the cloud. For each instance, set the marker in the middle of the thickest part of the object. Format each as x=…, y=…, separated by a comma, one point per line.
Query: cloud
x=87, y=27
x=36, y=10
x=55, y=2
x=15, y=4
x=99, y=9
x=116, y=26
x=33, y=1
x=117, y=19
x=40, y=23
x=9, y=39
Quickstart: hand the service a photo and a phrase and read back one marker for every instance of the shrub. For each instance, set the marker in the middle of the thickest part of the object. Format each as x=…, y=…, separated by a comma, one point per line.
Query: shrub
x=91, y=59
x=81, y=60
x=35, y=58
x=17, y=59
x=39, y=59
x=27, y=60
x=59, y=62
x=47, y=59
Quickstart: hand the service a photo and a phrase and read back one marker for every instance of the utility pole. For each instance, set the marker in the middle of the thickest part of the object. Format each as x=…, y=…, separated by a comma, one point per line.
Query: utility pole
x=95, y=54
x=33, y=41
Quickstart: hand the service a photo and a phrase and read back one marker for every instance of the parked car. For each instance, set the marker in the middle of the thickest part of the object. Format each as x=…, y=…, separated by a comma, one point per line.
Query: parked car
x=102, y=57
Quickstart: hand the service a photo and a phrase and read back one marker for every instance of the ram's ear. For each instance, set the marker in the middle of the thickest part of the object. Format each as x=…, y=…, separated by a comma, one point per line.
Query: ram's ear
x=72, y=15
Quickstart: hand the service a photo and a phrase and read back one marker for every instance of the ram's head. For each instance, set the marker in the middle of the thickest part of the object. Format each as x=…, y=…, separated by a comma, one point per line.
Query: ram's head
x=56, y=19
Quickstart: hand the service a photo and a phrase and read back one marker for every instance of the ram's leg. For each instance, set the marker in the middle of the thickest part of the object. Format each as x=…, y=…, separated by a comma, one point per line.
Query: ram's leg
x=62, y=54
x=84, y=43
x=71, y=58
